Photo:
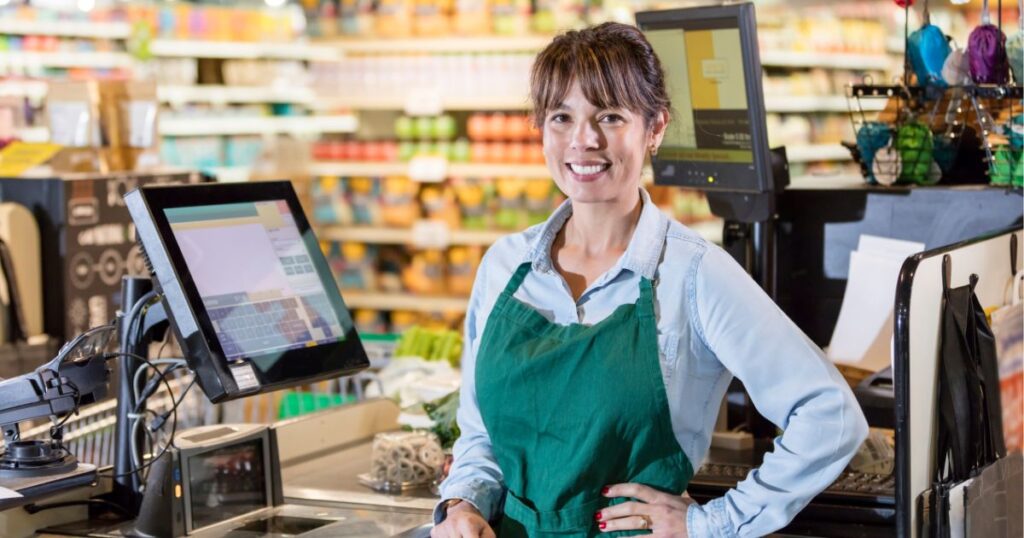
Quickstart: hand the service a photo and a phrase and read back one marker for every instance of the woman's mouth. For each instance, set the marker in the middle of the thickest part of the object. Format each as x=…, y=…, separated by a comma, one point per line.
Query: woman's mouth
x=587, y=171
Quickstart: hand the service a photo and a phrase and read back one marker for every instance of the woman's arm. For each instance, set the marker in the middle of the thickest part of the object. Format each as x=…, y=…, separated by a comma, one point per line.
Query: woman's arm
x=474, y=476
x=791, y=383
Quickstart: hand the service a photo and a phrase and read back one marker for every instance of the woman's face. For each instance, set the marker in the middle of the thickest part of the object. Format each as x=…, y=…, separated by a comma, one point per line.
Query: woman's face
x=596, y=155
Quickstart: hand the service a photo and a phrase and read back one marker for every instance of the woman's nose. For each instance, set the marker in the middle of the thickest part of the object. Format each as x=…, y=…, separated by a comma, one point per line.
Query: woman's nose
x=585, y=136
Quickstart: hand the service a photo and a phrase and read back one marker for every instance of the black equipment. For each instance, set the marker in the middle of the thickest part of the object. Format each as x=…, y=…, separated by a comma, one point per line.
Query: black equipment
x=248, y=292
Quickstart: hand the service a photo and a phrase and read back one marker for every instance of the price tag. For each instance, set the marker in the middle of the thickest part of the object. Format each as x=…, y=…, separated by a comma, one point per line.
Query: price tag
x=428, y=169
x=423, y=102
x=19, y=157
x=432, y=234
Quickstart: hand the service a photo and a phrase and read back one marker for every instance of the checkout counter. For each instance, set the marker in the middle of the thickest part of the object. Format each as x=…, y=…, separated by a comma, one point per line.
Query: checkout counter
x=315, y=459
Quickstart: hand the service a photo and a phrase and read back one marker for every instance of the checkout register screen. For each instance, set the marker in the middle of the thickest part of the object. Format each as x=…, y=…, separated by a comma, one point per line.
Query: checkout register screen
x=703, y=62
x=226, y=483
x=255, y=276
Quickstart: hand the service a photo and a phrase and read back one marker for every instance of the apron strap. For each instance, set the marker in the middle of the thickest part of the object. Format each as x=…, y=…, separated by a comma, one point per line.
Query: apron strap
x=517, y=278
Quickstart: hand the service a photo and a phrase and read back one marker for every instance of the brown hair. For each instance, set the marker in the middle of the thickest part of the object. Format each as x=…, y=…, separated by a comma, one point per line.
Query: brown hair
x=614, y=65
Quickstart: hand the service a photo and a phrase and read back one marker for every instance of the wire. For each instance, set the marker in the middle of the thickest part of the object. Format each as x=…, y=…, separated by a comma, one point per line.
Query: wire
x=34, y=508
x=174, y=421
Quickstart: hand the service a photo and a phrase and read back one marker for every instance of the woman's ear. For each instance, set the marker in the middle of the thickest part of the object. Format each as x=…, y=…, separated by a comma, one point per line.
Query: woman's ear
x=658, y=127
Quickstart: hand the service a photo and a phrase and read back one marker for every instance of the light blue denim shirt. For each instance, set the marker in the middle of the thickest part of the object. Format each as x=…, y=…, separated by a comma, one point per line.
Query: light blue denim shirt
x=714, y=322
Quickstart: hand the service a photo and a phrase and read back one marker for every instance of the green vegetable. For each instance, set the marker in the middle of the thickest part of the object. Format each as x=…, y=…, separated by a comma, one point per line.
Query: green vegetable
x=442, y=411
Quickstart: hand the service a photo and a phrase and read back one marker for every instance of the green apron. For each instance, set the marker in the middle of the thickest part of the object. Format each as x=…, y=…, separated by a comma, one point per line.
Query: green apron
x=573, y=408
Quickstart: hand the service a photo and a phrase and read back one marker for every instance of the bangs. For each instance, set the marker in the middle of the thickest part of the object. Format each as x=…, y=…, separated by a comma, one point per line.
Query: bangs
x=610, y=78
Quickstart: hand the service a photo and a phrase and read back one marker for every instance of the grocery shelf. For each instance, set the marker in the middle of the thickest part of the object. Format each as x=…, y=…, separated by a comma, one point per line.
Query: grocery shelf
x=173, y=48
x=403, y=301
x=235, y=94
x=32, y=89
x=439, y=45
x=817, y=152
x=59, y=28
x=821, y=103
x=478, y=102
x=403, y=236
x=33, y=134
x=241, y=125
x=866, y=62
x=97, y=60
x=354, y=168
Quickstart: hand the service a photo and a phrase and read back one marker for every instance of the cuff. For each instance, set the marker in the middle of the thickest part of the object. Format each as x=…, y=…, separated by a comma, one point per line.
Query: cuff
x=485, y=497
x=710, y=519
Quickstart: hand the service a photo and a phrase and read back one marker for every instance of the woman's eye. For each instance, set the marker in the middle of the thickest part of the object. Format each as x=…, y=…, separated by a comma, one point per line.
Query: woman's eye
x=612, y=118
x=559, y=118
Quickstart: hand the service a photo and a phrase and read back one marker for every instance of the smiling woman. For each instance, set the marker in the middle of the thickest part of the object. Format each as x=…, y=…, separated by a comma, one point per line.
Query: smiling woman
x=599, y=343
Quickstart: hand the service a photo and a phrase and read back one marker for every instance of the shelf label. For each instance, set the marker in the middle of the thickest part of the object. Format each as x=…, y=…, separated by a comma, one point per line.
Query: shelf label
x=423, y=102
x=428, y=169
x=433, y=234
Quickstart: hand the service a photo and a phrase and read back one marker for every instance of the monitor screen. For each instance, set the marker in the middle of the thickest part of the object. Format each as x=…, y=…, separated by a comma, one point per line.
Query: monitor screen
x=227, y=482
x=717, y=137
x=255, y=277
x=248, y=292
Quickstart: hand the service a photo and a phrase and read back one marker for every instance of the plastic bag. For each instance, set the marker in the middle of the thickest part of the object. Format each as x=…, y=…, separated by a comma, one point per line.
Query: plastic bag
x=986, y=52
x=928, y=49
x=871, y=137
x=914, y=143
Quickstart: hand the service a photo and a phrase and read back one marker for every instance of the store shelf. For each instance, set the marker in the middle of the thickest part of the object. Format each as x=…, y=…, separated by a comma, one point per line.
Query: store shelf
x=864, y=62
x=440, y=45
x=352, y=168
x=403, y=301
x=103, y=30
x=824, y=103
x=475, y=103
x=96, y=60
x=32, y=89
x=403, y=236
x=817, y=152
x=33, y=134
x=234, y=94
x=228, y=125
x=170, y=48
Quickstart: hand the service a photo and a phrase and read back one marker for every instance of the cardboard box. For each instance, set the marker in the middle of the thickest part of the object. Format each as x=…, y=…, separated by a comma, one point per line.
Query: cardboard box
x=88, y=242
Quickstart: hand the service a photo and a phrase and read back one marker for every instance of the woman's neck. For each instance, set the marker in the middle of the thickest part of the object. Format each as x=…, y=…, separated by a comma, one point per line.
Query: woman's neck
x=596, y=229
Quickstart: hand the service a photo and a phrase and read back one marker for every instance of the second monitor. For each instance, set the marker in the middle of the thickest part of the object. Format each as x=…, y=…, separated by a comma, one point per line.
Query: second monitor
x=717, y=139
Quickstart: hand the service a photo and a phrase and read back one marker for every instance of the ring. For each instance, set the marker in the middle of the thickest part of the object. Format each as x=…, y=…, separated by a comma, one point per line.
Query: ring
x=645, y=522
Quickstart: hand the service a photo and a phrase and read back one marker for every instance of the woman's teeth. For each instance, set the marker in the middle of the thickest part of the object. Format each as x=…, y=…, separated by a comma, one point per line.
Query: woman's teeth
x=587, y=170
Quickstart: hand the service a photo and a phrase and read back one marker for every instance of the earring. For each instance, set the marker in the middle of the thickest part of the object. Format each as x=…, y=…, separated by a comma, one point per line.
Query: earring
x=654, y=151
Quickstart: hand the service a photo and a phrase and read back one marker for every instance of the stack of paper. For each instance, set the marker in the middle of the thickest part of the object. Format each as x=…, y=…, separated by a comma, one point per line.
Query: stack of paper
x=863, y=333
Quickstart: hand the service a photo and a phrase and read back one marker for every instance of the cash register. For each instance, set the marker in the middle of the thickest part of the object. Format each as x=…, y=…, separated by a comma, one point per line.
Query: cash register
x=793, y=238
x=239, y=277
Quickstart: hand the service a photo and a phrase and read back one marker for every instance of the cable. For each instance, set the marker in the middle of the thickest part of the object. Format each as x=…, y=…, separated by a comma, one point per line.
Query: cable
x=174, y=423
x=34, y=508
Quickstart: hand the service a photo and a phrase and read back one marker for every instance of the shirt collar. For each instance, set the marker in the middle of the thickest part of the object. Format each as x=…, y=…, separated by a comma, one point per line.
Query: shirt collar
x=642, y=255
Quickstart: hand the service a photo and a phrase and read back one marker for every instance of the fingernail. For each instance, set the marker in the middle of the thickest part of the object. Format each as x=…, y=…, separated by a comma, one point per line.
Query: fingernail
x=604, y=490
x=602, y=525
x=597, y=516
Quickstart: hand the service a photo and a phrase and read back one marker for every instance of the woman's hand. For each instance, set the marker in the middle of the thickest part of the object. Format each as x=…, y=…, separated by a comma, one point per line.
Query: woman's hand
x=463, y=521
x=661, y=513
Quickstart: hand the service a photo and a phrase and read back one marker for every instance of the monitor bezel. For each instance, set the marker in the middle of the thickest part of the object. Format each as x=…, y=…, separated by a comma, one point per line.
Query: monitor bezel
x=274, y=370
x=746, y=19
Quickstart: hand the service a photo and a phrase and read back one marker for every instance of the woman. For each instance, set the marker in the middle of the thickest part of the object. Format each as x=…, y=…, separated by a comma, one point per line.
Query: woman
x=600, y=343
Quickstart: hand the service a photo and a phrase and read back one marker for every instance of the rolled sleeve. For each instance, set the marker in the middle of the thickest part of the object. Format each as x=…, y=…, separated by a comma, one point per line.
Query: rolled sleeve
x=792, y=384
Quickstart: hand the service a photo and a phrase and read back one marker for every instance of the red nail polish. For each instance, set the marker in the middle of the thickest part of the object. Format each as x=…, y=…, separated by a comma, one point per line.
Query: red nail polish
x=597, y=516
x=604, y=490
x=602, y=525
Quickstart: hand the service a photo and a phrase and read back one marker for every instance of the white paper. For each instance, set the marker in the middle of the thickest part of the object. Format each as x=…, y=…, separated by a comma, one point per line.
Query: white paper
x=863, y=332
x=6, y=493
